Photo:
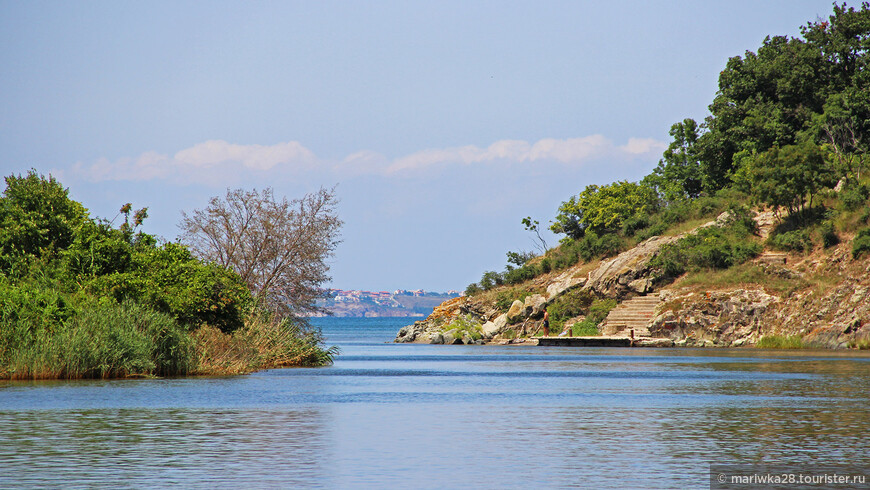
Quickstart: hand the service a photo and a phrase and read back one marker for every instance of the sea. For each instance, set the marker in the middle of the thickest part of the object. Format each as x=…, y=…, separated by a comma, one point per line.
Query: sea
x=418, y=416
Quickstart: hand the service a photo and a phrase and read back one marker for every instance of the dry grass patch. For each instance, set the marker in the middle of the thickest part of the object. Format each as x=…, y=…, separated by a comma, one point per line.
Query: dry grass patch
x=742, y=275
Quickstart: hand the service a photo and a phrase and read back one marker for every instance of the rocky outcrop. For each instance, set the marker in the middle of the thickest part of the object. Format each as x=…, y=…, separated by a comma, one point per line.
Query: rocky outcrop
x=834, y=313
x=625, y=275
x=828, y=304
x=828, y=318
x=727, y=318
x=565, y=282
x=629, y=271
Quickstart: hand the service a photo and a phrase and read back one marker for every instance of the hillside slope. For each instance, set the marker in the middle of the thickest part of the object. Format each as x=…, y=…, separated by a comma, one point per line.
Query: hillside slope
x=822, y=297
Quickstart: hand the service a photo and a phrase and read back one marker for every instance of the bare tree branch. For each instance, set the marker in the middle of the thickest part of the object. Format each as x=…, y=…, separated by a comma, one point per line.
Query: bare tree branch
x=278, y=247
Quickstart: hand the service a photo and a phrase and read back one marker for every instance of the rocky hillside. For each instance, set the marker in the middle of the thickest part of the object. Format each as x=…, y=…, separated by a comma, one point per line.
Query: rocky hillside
x=822, y=297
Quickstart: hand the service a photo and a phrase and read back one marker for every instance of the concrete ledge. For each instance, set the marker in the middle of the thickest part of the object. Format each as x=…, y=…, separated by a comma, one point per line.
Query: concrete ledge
x=585, y=341
x=605, y=342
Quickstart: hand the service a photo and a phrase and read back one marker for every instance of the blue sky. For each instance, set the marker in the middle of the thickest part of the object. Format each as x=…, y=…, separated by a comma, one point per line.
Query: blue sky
x=442, y=124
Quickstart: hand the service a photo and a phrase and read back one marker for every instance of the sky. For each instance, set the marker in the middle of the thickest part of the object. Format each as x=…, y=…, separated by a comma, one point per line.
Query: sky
x=441, y=125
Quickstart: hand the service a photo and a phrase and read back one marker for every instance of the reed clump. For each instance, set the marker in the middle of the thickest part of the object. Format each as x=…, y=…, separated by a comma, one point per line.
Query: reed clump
x=782, y=342
x=103, y=340
x=264, y=342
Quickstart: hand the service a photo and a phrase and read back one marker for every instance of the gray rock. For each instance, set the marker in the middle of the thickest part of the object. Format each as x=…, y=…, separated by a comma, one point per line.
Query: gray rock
x=563, y=283
x=516, y=311
x=641, y=286
x=493, y=328
x=534, y=305
x=613, y=276
x=655, y=343
x=436, y=338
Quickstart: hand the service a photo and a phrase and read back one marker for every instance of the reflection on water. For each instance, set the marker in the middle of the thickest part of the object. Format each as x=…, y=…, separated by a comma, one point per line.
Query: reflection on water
x=425, y=416
x=132, y=447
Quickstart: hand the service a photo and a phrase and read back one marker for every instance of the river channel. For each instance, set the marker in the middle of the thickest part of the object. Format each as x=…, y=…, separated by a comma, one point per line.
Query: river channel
x=432, y=416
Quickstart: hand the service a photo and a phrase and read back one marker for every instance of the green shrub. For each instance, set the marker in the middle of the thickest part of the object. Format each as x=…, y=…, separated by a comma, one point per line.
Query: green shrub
x=654, y=230
x=490, y=280
x=854, y=196
x=712, y=247
x=592, y=246
x=586, y=328
x=634, y=224
x=828, y=234
x=521, y=274
x=463, y=326
x=796, y=240
x=781, y=342
x=598, y=311
x=861, y=243
x=573, y=303
x=504, y=299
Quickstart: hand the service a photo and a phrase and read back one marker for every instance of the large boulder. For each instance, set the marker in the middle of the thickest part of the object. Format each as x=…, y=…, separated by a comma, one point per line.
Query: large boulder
x=411, y=333
x=614, y=277
x=493, y=328
x=564, y=282
x=534, y=305
x=516, y=311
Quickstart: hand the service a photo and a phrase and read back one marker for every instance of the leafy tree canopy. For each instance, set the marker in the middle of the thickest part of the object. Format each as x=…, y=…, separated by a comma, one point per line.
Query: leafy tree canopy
x=52, y=248
x=603, y=209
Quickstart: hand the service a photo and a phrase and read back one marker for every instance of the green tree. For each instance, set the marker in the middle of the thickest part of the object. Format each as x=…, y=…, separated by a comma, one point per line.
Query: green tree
x=602, y=209
x=36, y=217
x=788, y=177
x=678, y=175
x=789, y=90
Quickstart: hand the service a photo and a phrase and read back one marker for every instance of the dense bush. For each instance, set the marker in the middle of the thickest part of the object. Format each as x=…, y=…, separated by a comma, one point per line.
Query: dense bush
x=854, y=196
x=828, y=234
x=593, y=246
x=712, y=247
x=598, y=311
x=796, y=240
x=80, y=298
x=571, y=304
x=861, y=243
x=604, y=209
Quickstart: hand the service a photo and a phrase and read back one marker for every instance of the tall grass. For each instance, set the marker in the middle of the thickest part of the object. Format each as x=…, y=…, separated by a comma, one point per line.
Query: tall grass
x=103, y=340
x=264, y=342
x=782, y=342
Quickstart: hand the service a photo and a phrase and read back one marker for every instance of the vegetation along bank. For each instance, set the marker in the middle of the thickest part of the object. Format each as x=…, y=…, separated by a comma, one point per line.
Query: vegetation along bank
x=754, y=228
x=83, y=298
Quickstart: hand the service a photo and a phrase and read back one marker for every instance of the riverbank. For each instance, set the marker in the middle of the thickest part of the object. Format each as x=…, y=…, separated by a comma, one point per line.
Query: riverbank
x=819, y=299
x=80, y=298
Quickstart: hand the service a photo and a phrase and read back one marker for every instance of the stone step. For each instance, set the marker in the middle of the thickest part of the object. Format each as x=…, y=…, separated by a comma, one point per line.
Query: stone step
x=634, y=314
x=773, y=258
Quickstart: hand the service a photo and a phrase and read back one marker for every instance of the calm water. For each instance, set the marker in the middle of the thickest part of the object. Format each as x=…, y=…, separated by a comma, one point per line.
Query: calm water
x=420, y=416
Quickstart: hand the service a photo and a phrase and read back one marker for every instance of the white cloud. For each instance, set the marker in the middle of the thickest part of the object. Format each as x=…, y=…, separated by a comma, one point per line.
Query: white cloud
x=218, y=162
x=570, y=151
x=212, y=162
x=256, y=157
x=640, y=146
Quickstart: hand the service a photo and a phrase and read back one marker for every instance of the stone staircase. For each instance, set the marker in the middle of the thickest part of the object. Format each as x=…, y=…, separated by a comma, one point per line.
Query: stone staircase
x=772, y=258
x=634, y=314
